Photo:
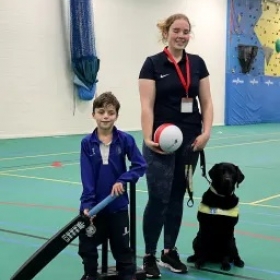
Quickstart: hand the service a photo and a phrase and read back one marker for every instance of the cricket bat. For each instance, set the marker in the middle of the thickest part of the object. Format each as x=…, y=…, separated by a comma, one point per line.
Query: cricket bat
x=48, y=251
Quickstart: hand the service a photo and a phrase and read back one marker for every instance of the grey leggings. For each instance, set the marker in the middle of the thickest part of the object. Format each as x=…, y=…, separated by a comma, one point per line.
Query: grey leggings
x=166, y=186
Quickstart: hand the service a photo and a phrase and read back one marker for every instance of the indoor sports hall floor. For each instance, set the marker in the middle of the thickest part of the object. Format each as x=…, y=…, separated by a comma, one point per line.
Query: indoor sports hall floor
x=37, y=198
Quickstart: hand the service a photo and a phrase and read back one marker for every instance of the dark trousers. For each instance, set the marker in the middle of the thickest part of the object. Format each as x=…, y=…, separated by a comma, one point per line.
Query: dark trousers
x=114, y=227
x=166, y=188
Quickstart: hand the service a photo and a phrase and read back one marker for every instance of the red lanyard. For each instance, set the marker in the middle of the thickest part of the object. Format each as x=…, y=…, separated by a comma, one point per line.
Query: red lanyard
x=185, y=83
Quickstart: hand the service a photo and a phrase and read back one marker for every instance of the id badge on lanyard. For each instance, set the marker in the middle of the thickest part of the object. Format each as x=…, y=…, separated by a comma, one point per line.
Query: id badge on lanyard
x=186, y=102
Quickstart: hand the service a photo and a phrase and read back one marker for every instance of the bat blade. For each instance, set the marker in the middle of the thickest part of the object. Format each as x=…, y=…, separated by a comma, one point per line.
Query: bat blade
x=57, y=243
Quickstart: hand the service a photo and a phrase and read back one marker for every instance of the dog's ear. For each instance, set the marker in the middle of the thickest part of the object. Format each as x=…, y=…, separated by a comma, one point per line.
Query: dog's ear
x=213, y=172
x=240, y=175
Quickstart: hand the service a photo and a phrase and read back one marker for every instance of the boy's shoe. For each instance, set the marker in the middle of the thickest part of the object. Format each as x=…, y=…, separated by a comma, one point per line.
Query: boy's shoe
x=171, y=260
x=85, y=277
x=150, y=267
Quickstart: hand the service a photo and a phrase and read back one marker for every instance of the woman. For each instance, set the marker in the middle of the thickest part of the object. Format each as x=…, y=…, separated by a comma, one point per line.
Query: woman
x=171, y=83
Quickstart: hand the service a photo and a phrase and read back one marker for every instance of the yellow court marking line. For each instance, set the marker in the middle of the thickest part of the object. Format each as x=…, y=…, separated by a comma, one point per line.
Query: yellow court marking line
x=260, y=205
x=266, y=206
x=141, y=191
x=37, y=167
x=36, y=156
x=241, y=203
x=266, y=199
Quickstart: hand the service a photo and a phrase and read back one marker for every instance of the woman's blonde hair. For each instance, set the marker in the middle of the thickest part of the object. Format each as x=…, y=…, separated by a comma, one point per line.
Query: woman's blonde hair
x=164, y=25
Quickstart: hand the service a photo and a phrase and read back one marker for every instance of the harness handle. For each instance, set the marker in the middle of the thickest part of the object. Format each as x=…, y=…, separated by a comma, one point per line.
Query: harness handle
x=189, y=182
x=189, y=177
x=203, y=165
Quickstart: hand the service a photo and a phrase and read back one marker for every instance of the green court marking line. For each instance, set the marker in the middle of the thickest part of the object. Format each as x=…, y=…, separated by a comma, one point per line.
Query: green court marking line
x=39, y=178
x=266, y=199
x=241, y=144
x=211, y=147
x=36, y=156
x=38, y=167
x=19, y=233
x=142, y=191
x=258, y=236
x=185, y=224
x=207, y=148
x=226, y=273
x=234, y=136
x=43, y=206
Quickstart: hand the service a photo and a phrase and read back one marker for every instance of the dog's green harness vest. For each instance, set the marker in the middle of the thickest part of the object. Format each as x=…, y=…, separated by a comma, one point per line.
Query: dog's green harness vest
x=233, y=212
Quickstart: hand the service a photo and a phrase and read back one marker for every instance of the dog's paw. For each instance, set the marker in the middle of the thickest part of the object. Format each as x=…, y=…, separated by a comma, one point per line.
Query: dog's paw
x=225, y=266
x=191, y=259
x=199, y=264
x=238, y=262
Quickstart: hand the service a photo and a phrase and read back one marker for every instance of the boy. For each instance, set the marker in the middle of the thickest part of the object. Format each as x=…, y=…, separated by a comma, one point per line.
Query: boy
x=103, y=171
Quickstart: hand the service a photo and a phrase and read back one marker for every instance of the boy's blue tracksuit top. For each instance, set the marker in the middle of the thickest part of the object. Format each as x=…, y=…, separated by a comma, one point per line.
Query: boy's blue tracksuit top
x=98, y=178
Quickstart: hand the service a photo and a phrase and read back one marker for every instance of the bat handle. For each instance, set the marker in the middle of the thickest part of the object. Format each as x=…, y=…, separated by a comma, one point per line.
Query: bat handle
x=101, y=205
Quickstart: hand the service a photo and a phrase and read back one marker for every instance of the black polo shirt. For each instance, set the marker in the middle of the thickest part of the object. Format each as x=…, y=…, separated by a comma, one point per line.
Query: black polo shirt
x=170, y=91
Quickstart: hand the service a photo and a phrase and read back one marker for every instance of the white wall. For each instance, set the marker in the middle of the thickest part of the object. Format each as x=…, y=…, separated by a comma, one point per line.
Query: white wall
x=209, y=41
x=36, y=89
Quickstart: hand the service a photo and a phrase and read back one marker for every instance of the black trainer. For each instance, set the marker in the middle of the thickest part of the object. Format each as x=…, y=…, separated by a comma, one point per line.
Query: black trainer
x=150, y=267
x=172, y=261
x=88, y=278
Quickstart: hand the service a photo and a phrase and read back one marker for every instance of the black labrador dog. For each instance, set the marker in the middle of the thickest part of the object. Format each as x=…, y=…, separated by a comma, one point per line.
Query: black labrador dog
x=217, y=216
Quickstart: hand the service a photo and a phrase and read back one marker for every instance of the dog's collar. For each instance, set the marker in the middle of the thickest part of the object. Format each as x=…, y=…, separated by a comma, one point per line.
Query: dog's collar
x=214, y=191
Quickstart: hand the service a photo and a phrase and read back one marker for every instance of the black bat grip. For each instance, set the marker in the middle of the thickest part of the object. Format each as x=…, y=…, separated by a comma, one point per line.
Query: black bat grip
x=104, y=268
x=132, y=214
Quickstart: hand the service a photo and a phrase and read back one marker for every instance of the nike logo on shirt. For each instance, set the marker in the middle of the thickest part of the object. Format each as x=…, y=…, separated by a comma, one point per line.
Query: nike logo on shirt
x=163, y=75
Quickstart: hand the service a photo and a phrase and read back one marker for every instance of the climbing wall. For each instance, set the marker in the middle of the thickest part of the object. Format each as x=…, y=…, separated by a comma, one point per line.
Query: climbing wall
x=242, y=18
x=267, y=30
x=253, y=97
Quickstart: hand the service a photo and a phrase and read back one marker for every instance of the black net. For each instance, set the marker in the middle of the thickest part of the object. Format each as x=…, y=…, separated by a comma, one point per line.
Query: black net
x=246, y=56
x=85, y=64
